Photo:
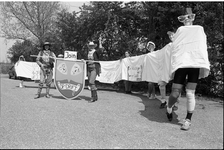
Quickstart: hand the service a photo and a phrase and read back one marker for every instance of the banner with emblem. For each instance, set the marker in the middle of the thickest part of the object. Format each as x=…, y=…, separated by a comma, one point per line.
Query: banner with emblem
x=69, y=77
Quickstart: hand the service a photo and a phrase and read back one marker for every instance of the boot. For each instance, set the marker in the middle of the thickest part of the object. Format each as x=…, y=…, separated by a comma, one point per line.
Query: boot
x=95, y=94
x=47, y=92
x=93, y=99
x=38, y=93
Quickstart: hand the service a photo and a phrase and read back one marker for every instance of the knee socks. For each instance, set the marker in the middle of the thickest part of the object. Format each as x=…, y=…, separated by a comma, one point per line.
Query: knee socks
x=163, y=93
x=190, y=94
x=173, y=99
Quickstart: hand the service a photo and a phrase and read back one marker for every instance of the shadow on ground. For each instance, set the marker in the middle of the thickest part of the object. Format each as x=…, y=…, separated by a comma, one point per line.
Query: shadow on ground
x=152, y=111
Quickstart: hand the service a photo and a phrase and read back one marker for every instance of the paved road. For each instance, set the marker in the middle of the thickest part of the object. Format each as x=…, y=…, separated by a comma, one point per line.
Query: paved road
x=116, y=121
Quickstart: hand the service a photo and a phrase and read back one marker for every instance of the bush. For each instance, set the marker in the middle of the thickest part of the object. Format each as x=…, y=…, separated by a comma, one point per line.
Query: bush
x=4, y=67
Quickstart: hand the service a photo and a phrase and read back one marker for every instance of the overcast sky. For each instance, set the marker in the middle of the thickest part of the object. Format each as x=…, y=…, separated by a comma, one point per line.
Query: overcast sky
x=6, y=44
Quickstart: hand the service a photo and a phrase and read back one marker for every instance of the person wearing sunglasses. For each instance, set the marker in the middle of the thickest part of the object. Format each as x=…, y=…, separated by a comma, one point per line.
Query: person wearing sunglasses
x=189, y=60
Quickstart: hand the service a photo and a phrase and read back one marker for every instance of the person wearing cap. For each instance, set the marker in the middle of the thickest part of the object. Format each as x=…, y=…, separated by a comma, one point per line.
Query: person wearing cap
x=189, y=58
x=93, y=67
x=60, y=56
x=150, y=46
x=45, y=60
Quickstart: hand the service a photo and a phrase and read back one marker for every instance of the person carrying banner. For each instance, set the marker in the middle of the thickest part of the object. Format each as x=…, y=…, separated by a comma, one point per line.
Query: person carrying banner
x=150, y=46
x=127, y=84
x=45, y=60
x=189, y=58
x=21, y=58
x=165, y=70
x=93, y=67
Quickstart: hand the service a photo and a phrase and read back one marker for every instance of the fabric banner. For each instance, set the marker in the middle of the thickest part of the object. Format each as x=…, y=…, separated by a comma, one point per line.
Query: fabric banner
x=137, y=68
x=28, y=70
x=188, y=49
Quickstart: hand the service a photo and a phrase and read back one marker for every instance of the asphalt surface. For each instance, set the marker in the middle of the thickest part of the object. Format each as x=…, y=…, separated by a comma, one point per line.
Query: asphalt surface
x=115, y=121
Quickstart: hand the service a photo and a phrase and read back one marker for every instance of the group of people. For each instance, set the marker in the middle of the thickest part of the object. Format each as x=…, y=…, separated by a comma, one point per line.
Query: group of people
x=190, y=72
x=150, y=47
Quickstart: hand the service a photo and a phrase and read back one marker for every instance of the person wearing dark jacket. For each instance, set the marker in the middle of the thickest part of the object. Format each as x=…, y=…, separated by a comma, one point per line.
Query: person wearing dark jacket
x=93, y=68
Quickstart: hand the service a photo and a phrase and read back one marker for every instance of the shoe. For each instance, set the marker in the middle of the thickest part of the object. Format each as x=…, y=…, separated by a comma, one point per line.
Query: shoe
x=38, y=96
x=175, y=108
x=163, y=105
x=91, y=101
x=169, y=116
x=186, y=125
x=47, y=96
x=128, y=92
x=151, y=97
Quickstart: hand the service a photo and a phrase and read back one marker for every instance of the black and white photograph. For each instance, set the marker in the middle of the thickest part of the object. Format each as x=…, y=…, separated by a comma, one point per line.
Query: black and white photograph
x=111, y=74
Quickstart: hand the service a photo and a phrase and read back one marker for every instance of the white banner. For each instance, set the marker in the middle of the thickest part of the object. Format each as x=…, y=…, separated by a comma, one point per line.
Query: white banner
x=28, y=70
x=137, y=68
x=152, y=67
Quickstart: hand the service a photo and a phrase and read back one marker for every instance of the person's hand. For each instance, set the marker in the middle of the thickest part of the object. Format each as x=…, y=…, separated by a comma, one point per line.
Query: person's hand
x=42, y=66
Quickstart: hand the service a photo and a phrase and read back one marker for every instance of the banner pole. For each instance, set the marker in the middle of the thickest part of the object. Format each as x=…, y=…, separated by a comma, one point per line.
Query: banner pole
x=65, y=59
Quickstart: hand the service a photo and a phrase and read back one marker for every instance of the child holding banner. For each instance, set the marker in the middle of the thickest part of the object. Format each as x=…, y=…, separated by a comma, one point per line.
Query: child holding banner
x=21, y=58
x=189, y=58
x=150, y=46
x=127, y=84
x=45, y=60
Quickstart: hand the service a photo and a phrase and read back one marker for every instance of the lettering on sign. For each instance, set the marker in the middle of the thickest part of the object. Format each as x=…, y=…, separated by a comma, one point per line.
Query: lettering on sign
x=135, y=73
x=70, y=55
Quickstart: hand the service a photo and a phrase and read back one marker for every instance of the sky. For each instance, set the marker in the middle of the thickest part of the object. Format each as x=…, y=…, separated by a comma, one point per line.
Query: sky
x=6, y=44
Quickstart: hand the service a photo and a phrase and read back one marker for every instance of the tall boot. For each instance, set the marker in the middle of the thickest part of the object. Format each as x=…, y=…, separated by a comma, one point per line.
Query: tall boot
x=92, y=96
x=38, y=92
x=95, y=97
x=47, y=92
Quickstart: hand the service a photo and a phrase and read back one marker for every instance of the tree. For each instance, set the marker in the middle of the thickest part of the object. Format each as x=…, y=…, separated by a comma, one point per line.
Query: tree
x=32, y=21
x=25, y=48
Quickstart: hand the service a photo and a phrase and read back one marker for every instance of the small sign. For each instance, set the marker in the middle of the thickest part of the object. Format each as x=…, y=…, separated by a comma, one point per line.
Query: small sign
x=135, y=73
x=70, y=55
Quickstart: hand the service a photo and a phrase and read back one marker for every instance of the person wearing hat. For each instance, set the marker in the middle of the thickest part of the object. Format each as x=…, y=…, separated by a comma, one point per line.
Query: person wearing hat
x=45, y=60
x=189, y=59
x=93, y=67
x=150, y=46
x=60, y=56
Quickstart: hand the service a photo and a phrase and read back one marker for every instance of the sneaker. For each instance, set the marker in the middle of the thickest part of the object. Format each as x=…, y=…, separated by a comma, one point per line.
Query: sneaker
x=38, y=96
x=186, y=125
x=175, y=108
x=163, y=105
x=47, y=96
x=169, y=116
x=151, y=97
